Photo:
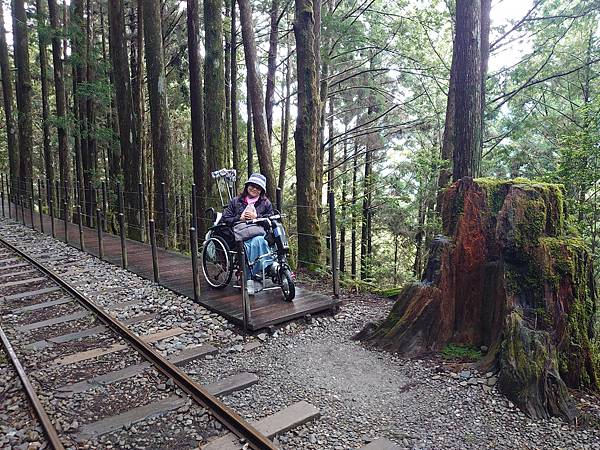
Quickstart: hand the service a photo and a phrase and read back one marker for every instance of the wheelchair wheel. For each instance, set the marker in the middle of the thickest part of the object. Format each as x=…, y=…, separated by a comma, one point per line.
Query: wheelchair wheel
x=287, y=285
x=217, y=264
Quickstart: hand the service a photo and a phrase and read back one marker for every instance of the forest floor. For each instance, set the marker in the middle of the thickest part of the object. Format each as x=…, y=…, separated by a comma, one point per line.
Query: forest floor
x=362, y=393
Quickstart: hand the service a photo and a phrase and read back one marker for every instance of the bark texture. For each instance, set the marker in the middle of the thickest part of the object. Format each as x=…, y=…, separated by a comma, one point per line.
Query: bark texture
x=24, y=88
x=60, y=96
x=9, y=112
x=272, y=65
x=197, y=110
x=261, y=137
x=159, y=112
x=306, y=136
x=467, y=112
x=505, y=275
x=235, y=148
x=43, y=43
x=214, y=88
x=128, y=132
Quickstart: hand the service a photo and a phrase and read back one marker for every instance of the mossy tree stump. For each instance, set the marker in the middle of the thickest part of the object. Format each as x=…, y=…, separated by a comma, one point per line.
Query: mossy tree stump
x=507, y=276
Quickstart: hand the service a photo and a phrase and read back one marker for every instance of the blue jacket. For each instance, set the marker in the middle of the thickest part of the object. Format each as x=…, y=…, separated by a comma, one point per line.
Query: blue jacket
x=236, y=207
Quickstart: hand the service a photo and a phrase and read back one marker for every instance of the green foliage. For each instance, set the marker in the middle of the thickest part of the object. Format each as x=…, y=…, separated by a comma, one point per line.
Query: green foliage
x=461, y=352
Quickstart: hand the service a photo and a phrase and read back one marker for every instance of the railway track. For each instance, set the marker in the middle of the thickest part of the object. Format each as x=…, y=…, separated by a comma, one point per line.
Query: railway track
x=71, y=354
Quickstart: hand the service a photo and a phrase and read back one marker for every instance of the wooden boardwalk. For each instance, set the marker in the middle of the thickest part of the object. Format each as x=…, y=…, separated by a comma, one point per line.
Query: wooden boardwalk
x=266, y=308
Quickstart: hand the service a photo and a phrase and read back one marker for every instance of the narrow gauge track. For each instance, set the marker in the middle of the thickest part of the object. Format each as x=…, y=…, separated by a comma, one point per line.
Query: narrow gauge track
x=40, y=280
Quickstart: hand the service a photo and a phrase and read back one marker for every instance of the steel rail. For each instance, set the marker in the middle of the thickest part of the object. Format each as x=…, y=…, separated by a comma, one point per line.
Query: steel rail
x=49, y=429
x=229, y=418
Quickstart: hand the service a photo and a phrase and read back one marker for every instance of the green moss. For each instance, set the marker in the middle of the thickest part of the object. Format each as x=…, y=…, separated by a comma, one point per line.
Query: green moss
x=551, y=194
x=563, y=252
x=528, y=231
x=462, y=352
x=525, y=351
x=495, y=191
x=390, y=293
x=526, y=282
x=569, y=262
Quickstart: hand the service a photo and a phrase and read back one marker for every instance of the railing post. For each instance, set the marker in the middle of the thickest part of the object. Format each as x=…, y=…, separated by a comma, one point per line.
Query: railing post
x=31, y=186
x=40, y=205
x=78, y=192
x=194, y=205
x=165, y=218
x=31, y=211
x=194, y=251
x=123, y=240
x=57, y=193
x=99, y=230
x=154, y=251
x=80, y=225
x=65, y=214
x=141, y=211
x=104, y=204
x=278, y=199
x=122, y=226
x=2, y=182
x=333, y=241
x=23, y=209
x=245, y=300
x=8, y=197
x=94, y=205
x=50, y=206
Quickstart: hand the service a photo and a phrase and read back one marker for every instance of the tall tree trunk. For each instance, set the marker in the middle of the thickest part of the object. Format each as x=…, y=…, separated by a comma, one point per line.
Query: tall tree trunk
x=261, y=138
x=138, y=106
x=486, y=6
x=271, y=66
x=331, y=150
x=235, y=143
x=43, y=44
x=91, y=160
x=21, y=43
x=467, y=114
x=330, y=159
x=60, y=94
x=249, y=153
x=366, y=212
x=395, y=259
x=159, y=112
x=448, y=139
x=306, y=136
x=9, y=113
x=344, y=209
x=113, y=171
x=214, y=88
x=354, y=211
x=128, y=133
x=417, y=265
x=197, y=110
x=229, y=5
x=286, y=120
x=78, y=63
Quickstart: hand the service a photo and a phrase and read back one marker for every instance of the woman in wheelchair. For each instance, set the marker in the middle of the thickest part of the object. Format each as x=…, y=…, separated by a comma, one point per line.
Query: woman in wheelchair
x=265, y=243
x=249, y=205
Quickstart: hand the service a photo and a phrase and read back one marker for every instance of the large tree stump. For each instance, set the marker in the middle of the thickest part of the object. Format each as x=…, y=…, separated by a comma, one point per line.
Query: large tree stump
x=505, y=275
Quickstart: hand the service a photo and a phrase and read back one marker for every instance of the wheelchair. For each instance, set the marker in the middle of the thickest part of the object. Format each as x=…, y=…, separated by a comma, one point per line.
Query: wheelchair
x=220, y=259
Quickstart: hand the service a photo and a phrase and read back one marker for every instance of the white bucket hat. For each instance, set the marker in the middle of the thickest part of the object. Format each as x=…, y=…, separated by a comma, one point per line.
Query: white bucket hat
x=259, y=180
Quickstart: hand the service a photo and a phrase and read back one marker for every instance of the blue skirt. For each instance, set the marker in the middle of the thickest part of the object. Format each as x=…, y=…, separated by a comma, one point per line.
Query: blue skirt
x=255, y=248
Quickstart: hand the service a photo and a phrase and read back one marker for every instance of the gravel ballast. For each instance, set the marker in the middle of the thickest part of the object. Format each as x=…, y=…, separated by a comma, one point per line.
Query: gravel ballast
x=362, y=394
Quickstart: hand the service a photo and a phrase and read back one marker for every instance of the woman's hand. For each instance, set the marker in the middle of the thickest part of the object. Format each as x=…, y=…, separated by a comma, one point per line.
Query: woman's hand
x=248, y=215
